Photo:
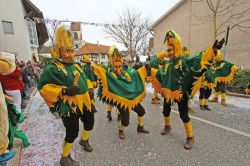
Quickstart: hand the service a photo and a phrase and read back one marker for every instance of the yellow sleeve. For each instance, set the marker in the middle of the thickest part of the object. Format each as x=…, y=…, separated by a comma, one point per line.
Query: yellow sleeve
x=51, y=93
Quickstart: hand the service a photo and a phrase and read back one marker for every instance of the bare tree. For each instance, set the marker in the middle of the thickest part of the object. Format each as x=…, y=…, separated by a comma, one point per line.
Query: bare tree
x=235, y=13
x=131, y=30
x=52, y=26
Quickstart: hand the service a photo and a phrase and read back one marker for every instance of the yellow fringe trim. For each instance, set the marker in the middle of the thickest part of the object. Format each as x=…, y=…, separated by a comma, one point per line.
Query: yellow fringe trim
x=128, y=104
x=79, y=101
x=229, y=78
x=171, y=96
x=196, y=85
x=207, y=55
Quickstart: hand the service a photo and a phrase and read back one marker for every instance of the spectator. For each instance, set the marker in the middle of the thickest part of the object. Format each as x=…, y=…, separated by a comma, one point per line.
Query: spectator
x=24, y=75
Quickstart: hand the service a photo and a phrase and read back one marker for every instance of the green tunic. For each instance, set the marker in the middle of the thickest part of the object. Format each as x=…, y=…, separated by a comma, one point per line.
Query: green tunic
x=58, y=75
x=124, y=91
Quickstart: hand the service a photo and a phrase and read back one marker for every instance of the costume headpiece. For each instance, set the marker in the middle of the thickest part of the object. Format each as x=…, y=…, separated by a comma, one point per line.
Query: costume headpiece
x=185, y=51
x=114, y=55
x=172, y=38
x=63, y=40
x=219, y=56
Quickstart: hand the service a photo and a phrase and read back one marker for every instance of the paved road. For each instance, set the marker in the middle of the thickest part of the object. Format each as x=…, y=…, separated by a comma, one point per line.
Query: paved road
x=222, y=137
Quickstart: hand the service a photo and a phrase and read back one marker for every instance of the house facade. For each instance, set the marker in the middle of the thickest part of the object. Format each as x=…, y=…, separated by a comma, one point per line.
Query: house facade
x=98, y=53
x=19, y=33
x=198, y=35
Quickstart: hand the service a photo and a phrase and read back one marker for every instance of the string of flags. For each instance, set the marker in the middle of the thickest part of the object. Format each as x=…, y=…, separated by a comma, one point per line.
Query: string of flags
x=53, y=21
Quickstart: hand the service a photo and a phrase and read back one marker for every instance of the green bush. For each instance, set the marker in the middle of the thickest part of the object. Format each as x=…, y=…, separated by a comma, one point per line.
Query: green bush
x=240, y=82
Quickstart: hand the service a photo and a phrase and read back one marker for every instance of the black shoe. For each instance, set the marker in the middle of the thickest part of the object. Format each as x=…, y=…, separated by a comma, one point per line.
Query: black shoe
x=207, y=108
x=86, y=146
x=118, y=117
x=166, y=130
x=68, y=161
x=109, y=116
x=202, y=108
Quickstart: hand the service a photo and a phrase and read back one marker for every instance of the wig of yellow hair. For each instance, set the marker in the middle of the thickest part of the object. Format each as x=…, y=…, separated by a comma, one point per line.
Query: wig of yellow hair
x=63, y=40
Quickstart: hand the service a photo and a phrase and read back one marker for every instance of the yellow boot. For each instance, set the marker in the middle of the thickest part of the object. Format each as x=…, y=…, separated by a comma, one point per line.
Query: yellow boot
x=223, y=99
x=84, y=142
x=201, y=101
x=121, y=131
x=140, y=127
x=66, y=158
x=190, y=137
x=167, y=128
x=206, y=105
x=109, y=110
x=215, y=99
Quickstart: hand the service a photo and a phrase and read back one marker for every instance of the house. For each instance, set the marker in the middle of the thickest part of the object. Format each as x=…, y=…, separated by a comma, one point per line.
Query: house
x=19, y=33
x=198, y=35
x=97, y=52
x=76, y=33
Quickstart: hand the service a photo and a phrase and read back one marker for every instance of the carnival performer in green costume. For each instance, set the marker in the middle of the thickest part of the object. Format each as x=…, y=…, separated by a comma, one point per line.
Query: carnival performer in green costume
x=208, y=84
x=224, y=73
x=123, y=90
x=67, y=92
x=156, y=62
x=178, y=76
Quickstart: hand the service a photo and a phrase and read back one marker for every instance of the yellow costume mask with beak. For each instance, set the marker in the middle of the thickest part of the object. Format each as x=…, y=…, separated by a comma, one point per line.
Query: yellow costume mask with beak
x=63, y=45
x=173, y=44
x=116, y=60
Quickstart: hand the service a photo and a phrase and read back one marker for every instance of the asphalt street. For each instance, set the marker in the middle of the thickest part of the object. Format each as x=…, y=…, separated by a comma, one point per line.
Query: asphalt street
x=222, y=137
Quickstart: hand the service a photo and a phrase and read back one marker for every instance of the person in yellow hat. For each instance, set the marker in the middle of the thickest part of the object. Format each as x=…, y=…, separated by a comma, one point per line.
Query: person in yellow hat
x=180, y=77
x=68, y=93
x=224, y=73
x=123, y=90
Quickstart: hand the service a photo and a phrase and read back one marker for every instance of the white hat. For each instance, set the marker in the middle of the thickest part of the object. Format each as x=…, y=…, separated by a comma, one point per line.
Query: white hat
x=8, y=55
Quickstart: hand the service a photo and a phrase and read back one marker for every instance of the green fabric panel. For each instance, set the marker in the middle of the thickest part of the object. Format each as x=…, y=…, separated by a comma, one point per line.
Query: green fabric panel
x=154, y=62
x=52, y=75
x=124, y=88
x=209, y=76
x=223, y=68
x=86, y=67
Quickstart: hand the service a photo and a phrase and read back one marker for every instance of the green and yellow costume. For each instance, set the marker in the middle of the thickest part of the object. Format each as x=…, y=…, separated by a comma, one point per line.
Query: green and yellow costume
x=224, y=72
x=180, y=77
x=122, y=89
x=66, y=90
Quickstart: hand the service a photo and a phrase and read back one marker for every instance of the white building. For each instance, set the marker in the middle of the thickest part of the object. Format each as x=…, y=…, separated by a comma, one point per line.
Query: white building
x=19, y=33
x=76, y=33
x=98, y=53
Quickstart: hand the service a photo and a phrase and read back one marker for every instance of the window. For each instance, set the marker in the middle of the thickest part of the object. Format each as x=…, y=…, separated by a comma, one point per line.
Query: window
x=103, y=56
x=32, y=32
x=8, y=27
x=75, y=36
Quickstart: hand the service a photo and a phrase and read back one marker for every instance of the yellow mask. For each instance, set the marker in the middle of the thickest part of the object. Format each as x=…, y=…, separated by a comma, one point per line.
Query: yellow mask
x=117, y=68
x=67, y=55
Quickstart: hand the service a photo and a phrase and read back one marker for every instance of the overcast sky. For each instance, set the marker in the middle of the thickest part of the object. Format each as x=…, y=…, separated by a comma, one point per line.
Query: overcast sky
x=100, y=11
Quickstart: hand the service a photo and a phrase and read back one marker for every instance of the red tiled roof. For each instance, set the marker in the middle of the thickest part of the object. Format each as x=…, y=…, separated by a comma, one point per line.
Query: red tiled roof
x=90, y=48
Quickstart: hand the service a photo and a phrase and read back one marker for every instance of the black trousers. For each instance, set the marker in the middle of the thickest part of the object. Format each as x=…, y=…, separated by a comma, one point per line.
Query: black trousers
x=220, y=87
x=205, y=93
x=124, y=114
x=71, y=124
x=182, y=107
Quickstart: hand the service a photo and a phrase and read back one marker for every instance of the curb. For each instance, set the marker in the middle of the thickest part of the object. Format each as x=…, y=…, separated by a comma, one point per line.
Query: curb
x=238, y=95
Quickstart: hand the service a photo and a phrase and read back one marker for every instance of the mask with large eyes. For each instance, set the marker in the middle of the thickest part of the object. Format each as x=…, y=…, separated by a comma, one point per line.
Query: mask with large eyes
x=117, y=66
x=67, y=55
